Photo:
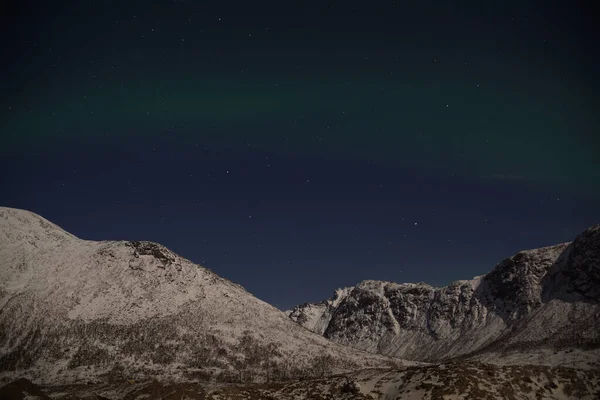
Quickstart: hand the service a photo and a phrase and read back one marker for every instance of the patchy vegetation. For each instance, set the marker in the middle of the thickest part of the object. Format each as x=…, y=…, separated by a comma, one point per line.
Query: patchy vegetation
x=432, y=382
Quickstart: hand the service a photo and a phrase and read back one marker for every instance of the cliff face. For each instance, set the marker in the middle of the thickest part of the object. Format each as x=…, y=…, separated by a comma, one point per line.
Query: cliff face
x=541, y=298
x=73, y=310
x=316, y=317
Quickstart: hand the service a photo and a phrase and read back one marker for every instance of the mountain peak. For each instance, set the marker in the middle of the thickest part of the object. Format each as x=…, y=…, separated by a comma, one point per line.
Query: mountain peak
x=16, y=224
x=74, y=308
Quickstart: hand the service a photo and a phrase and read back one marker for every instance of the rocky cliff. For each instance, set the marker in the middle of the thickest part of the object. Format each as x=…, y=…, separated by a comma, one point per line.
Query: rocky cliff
x=545, y=298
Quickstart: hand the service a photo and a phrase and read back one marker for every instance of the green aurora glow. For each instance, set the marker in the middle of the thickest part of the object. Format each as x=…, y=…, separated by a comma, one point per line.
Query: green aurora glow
x=489, y=131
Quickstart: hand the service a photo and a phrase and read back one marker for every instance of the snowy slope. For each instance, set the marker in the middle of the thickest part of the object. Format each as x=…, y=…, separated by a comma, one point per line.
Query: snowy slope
x=546, y=298
x=74, y=310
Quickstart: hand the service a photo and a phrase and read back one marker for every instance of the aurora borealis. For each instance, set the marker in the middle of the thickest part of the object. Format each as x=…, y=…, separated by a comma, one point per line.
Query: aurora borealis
x=272, y=142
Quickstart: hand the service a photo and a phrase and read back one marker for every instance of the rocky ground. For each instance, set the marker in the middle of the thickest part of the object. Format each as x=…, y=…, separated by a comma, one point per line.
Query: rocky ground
x=445, y=381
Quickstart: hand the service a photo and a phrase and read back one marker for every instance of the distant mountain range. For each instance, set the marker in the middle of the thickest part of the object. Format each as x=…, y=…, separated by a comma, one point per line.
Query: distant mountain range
x=132, y=319
x=528, y=308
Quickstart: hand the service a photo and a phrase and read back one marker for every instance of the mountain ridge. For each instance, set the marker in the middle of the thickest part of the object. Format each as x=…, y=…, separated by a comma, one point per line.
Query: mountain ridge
x=508, y=306
x=74, y=309
x=131, y=319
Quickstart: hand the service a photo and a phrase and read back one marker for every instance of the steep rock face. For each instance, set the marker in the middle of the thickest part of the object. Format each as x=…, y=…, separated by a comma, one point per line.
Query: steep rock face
x=73, y=310
x=541, y=298
x=570, y=292
x=576, y=275
x=316, y=317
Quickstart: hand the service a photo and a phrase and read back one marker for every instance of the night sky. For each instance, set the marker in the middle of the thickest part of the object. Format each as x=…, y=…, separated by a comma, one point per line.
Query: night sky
x=296, y=148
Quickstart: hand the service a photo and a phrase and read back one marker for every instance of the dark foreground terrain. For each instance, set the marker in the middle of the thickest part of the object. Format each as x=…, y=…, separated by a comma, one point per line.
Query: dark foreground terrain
x=441, y=381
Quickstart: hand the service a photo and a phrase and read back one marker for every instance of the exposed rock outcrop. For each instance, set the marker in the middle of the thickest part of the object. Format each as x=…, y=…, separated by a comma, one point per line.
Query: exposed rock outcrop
x=541, y=298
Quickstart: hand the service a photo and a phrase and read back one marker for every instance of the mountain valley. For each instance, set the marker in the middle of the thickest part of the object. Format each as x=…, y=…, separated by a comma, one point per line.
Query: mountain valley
x=132, y=319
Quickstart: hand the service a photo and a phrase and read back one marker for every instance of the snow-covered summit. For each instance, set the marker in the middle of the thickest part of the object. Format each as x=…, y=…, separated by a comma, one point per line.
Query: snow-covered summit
x=75, y=309
x=25, y=227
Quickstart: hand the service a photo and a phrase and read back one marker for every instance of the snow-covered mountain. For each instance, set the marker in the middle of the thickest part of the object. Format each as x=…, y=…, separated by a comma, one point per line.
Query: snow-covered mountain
x=538, y=301
x=74, y=310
